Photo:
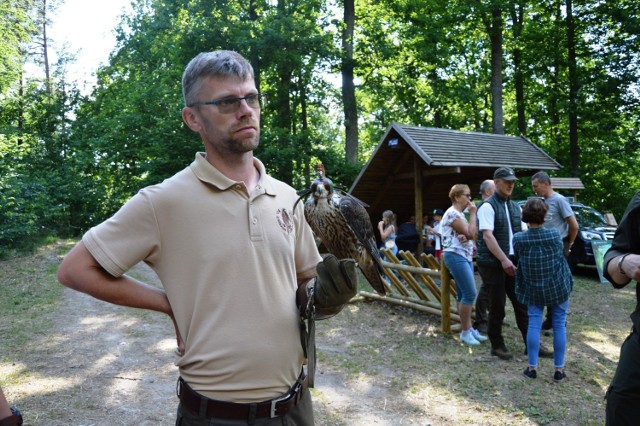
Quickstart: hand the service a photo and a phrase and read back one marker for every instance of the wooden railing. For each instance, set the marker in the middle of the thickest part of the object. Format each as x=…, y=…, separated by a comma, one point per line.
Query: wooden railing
x=428, y=289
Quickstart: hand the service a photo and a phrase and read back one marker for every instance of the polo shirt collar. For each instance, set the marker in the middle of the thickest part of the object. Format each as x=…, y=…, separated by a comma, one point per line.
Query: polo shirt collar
x=209, y=174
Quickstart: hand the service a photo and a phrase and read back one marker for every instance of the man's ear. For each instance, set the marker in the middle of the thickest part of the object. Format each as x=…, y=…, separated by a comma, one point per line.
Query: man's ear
x=191, y=119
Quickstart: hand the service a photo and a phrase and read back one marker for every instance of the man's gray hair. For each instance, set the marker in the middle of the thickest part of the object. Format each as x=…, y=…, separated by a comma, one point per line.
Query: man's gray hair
x=220, y=63
x=541, y=177
x=486, y=184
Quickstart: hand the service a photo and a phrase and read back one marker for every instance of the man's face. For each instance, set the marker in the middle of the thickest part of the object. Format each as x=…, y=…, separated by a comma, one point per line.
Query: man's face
x=236, y=132
x=542, y=189
x=505, y=187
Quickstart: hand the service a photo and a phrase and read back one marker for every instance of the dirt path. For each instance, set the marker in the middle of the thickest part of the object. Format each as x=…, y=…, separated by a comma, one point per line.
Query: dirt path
x=105, y=365
x=90, y=363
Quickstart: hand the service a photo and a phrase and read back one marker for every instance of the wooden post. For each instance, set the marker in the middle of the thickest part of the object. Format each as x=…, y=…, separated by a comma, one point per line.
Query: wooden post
x=417, y=183
x=445, y=300
x=410, y=291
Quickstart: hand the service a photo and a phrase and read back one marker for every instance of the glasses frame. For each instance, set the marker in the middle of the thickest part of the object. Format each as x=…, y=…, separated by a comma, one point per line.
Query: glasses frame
x=232, y=105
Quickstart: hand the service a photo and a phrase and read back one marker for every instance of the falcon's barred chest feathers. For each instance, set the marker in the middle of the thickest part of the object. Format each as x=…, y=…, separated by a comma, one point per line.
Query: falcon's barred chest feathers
x=342, y=223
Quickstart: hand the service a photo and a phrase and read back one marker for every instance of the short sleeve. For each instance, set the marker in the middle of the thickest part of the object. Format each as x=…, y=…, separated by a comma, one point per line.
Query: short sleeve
x=450, y=217
x=486, y=217
x=125, y=239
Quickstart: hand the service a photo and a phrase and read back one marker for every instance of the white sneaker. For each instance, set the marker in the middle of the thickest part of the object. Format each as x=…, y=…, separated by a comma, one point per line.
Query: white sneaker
x=467, y=337
x=476, y=334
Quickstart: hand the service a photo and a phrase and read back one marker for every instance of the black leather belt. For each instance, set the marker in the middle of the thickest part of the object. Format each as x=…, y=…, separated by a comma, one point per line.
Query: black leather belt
x=212, y=408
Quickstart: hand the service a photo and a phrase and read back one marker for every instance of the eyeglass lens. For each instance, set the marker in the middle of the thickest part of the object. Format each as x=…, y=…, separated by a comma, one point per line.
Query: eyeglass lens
x=231, y=105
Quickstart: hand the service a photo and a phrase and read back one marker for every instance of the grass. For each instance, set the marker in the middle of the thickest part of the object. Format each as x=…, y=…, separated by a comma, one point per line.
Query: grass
x=29, y=291
x=405, y=349
x=400, y=356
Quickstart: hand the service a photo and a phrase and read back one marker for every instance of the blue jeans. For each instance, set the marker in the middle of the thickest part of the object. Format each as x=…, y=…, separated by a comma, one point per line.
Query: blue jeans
x=462, y=271
x=559, y=320
x=394, y=250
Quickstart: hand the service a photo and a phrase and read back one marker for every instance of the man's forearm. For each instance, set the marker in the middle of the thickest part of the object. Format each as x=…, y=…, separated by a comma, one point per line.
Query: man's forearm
x=623, y=268
x=80, y=271
x=494, y=247
x=573, y=229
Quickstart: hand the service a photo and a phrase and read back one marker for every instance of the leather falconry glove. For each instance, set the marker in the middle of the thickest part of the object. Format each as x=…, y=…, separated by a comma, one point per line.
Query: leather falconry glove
x=325, y=296
x=336, y=284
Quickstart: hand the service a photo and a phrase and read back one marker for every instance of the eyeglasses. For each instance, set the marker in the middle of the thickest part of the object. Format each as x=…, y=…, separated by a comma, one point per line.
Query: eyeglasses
x=232, y=105
x=468, y=196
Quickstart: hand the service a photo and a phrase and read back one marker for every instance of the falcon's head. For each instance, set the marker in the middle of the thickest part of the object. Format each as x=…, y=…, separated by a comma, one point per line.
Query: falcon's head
x=322, y=187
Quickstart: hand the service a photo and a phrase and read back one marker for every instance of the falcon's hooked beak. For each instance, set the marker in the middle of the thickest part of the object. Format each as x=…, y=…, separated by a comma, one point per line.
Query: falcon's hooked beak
x=320, y=191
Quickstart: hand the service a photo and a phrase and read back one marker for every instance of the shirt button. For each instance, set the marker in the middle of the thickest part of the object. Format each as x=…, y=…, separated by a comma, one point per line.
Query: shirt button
x=254, y=221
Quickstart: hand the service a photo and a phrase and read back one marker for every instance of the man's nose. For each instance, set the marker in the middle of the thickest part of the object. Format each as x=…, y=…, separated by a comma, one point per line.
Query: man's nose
x=244, y=108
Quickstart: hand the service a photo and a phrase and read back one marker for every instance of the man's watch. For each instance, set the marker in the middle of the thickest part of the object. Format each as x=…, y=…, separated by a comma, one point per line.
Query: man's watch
x=620, y=270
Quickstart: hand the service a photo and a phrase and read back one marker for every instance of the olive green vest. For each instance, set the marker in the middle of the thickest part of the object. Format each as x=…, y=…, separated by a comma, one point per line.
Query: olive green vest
x=500, y=229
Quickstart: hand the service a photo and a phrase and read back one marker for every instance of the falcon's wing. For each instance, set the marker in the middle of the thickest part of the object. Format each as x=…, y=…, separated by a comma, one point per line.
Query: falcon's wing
x=357, y=218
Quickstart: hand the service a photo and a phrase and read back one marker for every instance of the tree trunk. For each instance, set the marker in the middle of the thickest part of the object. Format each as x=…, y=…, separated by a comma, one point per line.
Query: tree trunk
x=254, y=56
x=494, y=29
x=517, y=23
x=554, y=108
x=574, y=148
x=348, y=87
x=21, y=108
x=45, y=47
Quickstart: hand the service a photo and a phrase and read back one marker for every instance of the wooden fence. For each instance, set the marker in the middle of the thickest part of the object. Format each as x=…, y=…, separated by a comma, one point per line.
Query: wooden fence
x=429, y=289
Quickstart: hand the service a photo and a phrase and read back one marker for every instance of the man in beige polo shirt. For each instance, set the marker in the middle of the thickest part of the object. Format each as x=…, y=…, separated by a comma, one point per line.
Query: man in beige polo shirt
x=237, y=264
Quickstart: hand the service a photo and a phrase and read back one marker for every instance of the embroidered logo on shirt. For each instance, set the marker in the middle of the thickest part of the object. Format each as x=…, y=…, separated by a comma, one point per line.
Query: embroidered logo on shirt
x=284, y=220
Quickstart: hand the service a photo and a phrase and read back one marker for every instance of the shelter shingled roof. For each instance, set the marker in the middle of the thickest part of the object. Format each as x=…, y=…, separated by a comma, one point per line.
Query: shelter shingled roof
x=441, y=158
x=442, y=147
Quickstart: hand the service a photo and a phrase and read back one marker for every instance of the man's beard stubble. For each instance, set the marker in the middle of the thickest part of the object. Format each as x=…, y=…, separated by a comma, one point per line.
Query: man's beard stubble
x=241, y=146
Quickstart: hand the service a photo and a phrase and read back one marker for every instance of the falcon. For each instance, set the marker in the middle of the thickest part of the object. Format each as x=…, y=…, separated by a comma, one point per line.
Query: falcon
x=342, y=223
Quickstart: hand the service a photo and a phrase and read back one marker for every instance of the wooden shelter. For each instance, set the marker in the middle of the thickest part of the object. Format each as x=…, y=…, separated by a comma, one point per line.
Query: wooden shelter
x=567, y=184
x=413, y=168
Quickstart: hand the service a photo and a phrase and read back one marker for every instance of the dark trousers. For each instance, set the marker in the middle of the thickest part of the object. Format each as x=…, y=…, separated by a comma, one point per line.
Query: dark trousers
x=623, y=395
x=500, y=286
x=301, y=415
x=482, y=308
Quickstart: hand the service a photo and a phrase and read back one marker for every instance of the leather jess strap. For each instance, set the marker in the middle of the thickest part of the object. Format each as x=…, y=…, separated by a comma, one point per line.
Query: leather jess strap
x=213, y=408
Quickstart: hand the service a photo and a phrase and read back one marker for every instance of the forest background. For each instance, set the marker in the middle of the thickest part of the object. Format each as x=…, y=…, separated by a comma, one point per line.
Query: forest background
x=565, y=74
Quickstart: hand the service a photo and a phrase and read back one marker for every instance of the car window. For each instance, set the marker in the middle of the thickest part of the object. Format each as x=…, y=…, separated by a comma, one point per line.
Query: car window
x=588, y=217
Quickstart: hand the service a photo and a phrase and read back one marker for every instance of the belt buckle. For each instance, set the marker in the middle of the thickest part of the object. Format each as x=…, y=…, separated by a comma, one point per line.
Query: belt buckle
x=272, y=412
x=292, y=393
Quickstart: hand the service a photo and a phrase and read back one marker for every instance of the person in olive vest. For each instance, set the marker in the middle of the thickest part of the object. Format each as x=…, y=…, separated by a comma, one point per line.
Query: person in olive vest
x=499, y=218
x=487, y=188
